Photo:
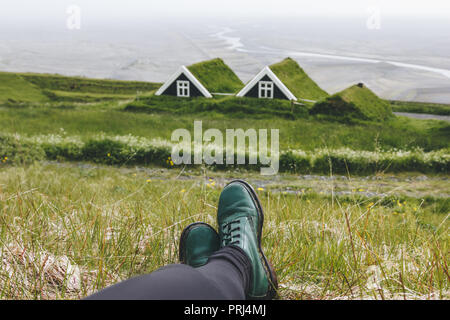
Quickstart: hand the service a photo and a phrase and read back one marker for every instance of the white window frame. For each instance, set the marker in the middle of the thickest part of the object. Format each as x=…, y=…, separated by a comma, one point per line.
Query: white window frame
x=183, y=88
x=266, y=89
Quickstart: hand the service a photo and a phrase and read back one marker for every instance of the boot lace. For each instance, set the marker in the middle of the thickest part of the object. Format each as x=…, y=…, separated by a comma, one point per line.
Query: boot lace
x=230, y=234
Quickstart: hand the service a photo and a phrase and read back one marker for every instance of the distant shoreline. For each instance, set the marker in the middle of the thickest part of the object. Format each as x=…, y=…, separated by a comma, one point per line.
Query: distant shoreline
x=423, y=116
x=236, y=44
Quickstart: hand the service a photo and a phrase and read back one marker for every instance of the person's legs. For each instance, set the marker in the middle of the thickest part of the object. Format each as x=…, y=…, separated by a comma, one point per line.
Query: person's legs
x=238, y=269
x=225, y=277
x=229, y=269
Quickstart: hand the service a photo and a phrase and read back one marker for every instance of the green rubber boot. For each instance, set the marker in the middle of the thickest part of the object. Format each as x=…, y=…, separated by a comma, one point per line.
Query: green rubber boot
x=240, y=217
x=197, y=243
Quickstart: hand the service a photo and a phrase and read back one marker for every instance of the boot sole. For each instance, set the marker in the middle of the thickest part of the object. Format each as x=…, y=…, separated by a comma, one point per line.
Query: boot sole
x=273, y=286
x=184, y=234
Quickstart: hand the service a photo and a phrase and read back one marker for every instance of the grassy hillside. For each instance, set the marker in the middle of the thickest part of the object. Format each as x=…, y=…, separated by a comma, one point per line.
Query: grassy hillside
x=216, y=76
x=77, y=84
x=355, y=102
x=29, y=87
x=85, y=97
x=296, y=79
x=14, y=87
x=99, y=225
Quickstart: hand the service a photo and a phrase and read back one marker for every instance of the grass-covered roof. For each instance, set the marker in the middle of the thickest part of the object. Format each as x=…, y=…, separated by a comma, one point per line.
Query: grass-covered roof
x=357, y=101
x=216, y=76
x=297, y=81
x=368, y=102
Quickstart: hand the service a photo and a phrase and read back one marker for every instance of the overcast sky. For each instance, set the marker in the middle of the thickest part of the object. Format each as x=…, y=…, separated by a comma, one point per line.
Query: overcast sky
x=25, y=11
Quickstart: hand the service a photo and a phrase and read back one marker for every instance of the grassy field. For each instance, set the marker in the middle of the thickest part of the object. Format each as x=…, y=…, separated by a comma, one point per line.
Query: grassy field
x=67, y=231
x=305, y=133
x=16, y=88
x=13, y=87
x=219, y=106
x=77, y=84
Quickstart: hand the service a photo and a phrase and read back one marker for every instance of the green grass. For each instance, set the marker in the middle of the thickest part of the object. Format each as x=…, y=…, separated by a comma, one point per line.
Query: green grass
x=354, y=103
x=421, y=107
x=69, y=229
x=216, y=76
x=85, y=97
x=14, y=88
x=297, y=81
x=67, y=232
x=224, y=106
x=39, y=88
x=369, y=103
x=131, y=150
x=85, y=85
x=302, y=133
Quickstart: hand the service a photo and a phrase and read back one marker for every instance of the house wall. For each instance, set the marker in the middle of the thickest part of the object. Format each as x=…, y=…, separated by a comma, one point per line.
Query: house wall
x=277, y=94
x=172, y=89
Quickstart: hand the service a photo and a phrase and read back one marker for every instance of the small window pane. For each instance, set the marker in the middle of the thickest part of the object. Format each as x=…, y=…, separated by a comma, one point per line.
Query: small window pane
x=183, y=88
x=266, y=89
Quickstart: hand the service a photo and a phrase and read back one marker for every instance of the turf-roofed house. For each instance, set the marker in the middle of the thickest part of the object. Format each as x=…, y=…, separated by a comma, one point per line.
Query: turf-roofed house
x=203, y=79
x=284, y=80
x=357, y=101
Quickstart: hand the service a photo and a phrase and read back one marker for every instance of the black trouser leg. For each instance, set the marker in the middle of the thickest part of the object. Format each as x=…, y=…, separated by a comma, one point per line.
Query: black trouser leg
x=226, y=276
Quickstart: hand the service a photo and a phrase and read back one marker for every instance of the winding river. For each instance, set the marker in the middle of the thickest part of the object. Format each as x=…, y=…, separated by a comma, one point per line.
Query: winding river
x=235, y=43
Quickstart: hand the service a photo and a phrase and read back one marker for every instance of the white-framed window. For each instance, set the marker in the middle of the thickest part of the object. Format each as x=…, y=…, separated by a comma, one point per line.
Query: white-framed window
x=183, y=88
x=266, y=89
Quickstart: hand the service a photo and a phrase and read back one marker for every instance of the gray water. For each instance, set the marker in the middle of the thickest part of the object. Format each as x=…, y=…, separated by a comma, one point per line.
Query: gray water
x=423, y=116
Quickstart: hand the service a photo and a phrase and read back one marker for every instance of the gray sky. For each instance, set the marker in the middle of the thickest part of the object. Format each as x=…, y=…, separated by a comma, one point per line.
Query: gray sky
x=25, y=11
